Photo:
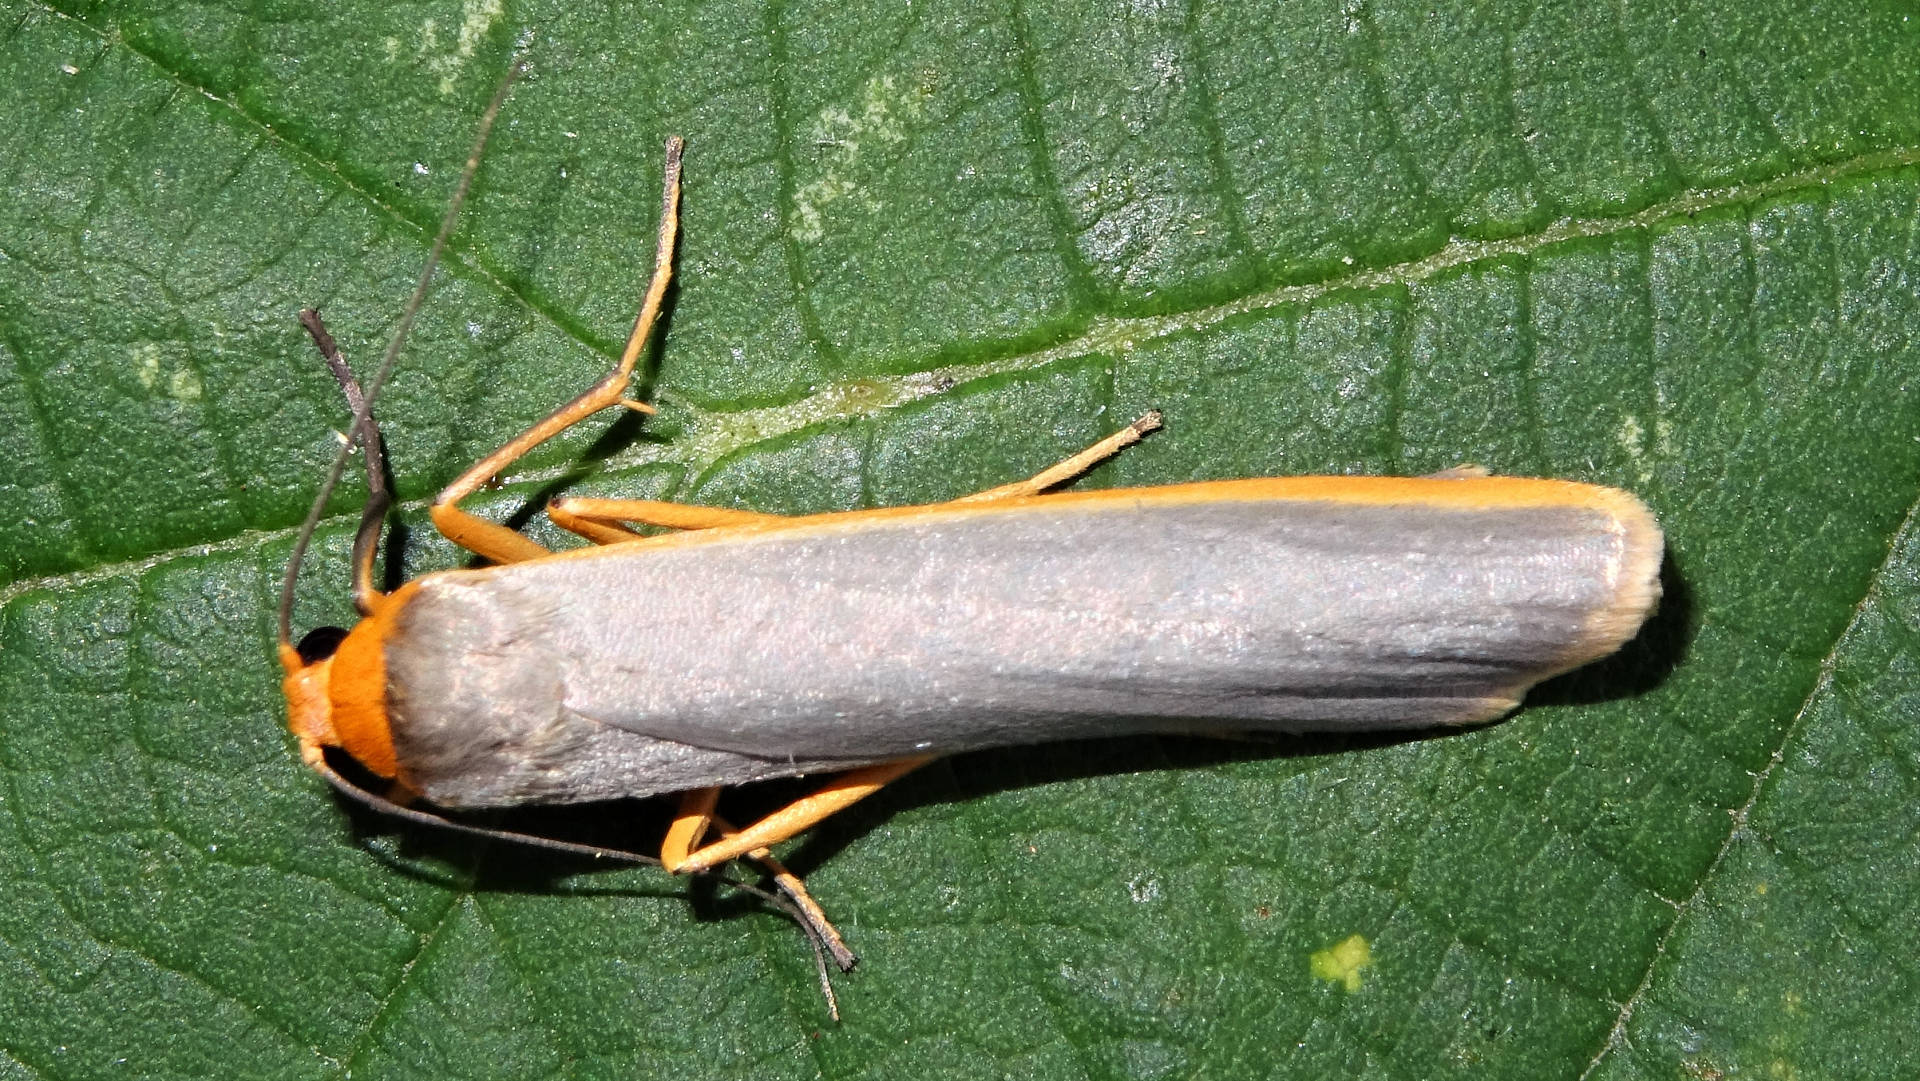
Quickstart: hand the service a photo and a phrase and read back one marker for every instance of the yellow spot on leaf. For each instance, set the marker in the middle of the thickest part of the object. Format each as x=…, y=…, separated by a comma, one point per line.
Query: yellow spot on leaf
x=146, y=364
x=165, y=372
x=185, y=385
x=1633, y=440
x=882, y=118
x=476, y=18
x=1342, y=963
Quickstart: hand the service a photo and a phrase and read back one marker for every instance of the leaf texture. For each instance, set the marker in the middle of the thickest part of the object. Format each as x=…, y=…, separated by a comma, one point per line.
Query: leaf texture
x=1673, y=248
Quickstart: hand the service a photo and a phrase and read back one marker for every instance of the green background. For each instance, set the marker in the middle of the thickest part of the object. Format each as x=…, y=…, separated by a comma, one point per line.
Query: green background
x=929, y=248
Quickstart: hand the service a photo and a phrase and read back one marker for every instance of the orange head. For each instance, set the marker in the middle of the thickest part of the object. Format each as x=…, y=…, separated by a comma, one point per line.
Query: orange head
x=336, y=687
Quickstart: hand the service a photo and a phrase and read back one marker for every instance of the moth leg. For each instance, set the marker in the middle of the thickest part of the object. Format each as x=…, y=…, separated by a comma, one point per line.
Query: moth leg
x=497, y=542
x=690, y=827
x=599, y=520
x=1072, y=467
x=597, y=532
x=813, y=915
x=837, y=795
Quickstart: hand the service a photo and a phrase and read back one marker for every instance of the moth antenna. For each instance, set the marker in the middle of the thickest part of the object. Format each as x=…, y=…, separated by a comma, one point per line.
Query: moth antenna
x=816, y=938
x=366, y=540
x=363, y=409
x=376, y=802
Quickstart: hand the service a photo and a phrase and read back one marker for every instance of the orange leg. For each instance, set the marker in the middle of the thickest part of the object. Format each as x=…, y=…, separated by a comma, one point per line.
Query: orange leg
x=598, y=532
x=689, y=825
x=1072, y=467
x=796, y=891
x=497, y=542
x=690, y=828
x=838, y=794
x=599, y=520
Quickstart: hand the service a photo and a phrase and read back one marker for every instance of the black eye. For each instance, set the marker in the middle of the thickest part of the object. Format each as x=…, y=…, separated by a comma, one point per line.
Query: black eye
x=320, y=643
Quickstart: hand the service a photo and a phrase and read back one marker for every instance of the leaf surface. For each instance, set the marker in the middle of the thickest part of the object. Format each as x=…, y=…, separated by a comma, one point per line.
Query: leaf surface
x=1674, y=249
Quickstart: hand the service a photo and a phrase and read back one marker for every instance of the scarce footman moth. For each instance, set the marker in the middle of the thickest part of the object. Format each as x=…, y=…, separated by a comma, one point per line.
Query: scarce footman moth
x=745, y=646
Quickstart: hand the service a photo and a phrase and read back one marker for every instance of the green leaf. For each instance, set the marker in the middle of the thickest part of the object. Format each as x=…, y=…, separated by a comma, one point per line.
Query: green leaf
x=931, y=248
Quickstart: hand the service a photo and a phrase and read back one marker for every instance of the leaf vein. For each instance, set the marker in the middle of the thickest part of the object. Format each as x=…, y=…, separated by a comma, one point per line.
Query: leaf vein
x=112, y=944
x=347, y=1061
x=1617, y=1036
x=1033, y=130
x=1207, y=118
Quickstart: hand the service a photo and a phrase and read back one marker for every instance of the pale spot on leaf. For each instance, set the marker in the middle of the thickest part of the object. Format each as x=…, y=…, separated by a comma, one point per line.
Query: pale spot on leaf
x=1341, y=963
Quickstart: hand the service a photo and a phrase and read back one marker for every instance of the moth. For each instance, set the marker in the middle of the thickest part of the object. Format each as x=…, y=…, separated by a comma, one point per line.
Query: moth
x=743, y=646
